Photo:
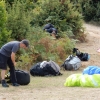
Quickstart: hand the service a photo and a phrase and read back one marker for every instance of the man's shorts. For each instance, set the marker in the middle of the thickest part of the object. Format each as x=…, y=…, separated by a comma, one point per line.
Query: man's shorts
x=3, y=62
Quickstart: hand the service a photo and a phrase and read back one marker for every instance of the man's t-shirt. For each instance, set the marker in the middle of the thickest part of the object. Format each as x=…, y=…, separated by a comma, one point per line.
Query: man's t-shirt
x=10, y=47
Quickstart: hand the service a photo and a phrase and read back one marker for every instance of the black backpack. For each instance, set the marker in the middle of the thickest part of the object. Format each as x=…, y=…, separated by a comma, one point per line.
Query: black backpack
x=47, y=70
x=35, y=70
x=23, y=77
x=82, y=56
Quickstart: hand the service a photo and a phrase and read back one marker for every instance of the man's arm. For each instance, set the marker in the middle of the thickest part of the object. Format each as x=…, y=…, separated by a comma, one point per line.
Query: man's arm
x=13, y=58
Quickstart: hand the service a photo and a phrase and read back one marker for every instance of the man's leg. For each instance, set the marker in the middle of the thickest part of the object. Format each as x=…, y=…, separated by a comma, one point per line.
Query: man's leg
x=3, y=72
x=3, y=67
x=3, y=82
x=12, y=72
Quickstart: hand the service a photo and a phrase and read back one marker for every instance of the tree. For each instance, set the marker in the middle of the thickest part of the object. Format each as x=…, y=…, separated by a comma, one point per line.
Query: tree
x=4, y=34
x=19, y=18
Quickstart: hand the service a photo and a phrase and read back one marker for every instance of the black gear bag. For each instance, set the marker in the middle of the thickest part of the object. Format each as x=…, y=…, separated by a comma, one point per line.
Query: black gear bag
x=23, y=77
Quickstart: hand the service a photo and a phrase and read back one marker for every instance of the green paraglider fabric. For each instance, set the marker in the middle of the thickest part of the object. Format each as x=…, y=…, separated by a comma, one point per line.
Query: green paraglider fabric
x=83, y=80
x=73, y=80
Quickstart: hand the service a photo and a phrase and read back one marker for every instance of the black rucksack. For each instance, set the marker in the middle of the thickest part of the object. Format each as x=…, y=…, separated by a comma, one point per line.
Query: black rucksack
x=82, y=56
x=45, y=69
x=23, y=77
x=35, y=70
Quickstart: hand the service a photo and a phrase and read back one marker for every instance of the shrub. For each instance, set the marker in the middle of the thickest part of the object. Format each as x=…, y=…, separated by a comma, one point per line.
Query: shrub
x=19, y=18
x=43, y=47
x=4, y=34
x=64, y=16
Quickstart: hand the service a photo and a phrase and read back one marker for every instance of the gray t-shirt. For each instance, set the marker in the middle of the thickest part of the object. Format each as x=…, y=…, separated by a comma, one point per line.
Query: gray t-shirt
x=10, y=47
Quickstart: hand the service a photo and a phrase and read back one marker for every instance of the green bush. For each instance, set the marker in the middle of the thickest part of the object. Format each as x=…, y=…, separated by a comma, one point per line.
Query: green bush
x=43, y=47
x=19, y=18
x=65, y=17
x=24, y=61
x=89, y=9
x=4, y=34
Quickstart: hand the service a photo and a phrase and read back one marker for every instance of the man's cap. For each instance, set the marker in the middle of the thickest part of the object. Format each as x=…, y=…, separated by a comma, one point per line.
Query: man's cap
x=26, y=42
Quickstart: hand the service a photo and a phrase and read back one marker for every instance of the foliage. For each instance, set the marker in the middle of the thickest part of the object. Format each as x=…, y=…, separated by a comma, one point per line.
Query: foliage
x=97, y=16
x=65, y=16
x=45, y=48
x=24, y=61
x=18, y=22
x=90, y=9
x=19, y=18
x=4, y=34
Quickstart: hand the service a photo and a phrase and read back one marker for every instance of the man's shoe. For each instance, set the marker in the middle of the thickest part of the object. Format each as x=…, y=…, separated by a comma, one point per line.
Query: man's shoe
x=15, y=84
x=4, y=84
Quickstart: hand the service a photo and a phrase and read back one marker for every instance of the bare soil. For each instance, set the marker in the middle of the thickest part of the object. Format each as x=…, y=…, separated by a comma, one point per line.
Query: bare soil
x=52, y=88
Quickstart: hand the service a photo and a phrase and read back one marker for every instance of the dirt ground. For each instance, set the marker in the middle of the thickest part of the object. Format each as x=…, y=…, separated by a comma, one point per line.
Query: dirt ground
x=52, y=88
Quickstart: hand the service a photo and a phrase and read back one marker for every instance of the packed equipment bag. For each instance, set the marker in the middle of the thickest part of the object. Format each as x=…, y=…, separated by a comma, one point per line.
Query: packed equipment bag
x=45, y=68
x=82, y=56
x=23, y=77
x=90, y=70
x=71, y=63
x=83, y=80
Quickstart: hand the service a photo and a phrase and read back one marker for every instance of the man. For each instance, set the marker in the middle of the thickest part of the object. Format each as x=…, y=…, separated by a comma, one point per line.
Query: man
x=50, y=29
x=7, y=57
